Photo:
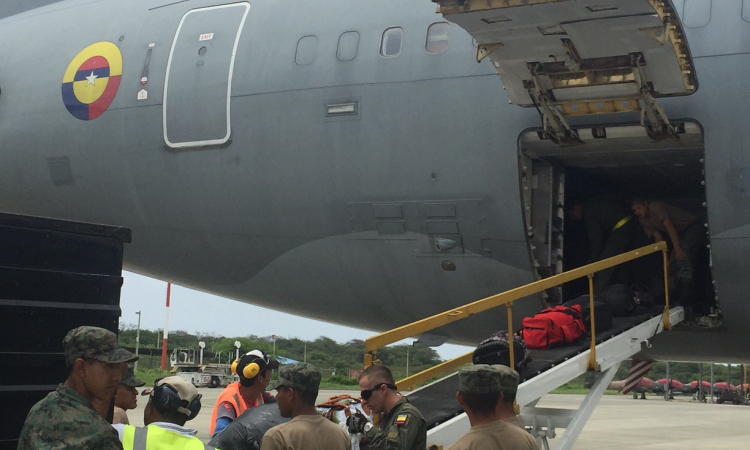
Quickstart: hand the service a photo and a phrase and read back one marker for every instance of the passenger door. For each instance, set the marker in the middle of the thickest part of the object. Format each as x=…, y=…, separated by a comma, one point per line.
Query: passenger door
x=198, y=86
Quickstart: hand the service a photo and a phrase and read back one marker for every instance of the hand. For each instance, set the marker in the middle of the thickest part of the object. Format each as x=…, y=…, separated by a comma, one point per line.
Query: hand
x=679, y=253
x=356, y=423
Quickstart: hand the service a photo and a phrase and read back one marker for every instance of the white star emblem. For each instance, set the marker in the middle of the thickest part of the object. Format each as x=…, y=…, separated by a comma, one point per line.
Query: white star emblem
x=91, y=78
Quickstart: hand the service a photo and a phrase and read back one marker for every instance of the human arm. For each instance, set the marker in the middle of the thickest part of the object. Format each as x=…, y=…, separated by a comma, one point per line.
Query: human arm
x=221, y=424
x=225, y=414
x=397, y=437
x=679, y=253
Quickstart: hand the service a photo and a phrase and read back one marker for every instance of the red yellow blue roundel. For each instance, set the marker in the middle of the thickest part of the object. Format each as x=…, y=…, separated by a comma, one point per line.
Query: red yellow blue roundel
x=90, y=84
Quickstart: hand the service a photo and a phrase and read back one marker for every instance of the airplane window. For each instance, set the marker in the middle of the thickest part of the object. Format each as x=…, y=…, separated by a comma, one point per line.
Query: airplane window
x=391, y=42
x=307, y=49
x=696, y=13
x=746, y=10
x=437, y=38
x=348, y=45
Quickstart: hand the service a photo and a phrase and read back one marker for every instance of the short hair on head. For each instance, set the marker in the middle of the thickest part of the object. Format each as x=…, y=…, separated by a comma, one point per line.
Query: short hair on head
x=307, y=397
x=378, y=372
x=638, y=201
x=481, y=404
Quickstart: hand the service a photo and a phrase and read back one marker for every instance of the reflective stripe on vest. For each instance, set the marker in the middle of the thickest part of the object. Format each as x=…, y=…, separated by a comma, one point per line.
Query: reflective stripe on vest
x=622, y=222
x=239, y=404
x=156, y=438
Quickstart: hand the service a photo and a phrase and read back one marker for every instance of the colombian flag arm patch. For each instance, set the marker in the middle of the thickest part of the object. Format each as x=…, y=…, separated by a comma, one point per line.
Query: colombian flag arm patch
x=402, y=419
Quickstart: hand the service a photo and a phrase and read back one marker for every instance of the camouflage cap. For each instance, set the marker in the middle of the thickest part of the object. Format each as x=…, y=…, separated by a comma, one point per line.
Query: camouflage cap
x=299, y=376
x=485, y=379
x=94, y=343
x=129, y=379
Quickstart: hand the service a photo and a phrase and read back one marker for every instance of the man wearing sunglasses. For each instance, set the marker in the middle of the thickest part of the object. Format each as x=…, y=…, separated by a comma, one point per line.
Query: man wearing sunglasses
x=402, y=425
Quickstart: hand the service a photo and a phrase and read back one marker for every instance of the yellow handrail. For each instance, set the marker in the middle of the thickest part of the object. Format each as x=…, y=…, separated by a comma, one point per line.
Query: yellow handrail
x=373, y=343
x=408, y=383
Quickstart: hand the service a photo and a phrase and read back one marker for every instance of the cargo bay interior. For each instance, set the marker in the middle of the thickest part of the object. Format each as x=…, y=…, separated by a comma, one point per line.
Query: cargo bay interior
x=618, y=160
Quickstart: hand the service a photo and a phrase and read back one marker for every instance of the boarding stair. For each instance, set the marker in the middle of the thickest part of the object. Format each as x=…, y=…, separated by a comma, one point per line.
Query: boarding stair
x=579, y=57
x=599, y=357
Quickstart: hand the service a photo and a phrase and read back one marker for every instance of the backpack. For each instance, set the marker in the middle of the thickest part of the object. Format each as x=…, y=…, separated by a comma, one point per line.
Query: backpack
x=621, y=300
x=496, y=350
x=558, y=325
x=603, y=319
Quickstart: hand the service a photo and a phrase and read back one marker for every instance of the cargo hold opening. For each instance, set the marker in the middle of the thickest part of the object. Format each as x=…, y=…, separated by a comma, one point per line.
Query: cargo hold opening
x=620, y=161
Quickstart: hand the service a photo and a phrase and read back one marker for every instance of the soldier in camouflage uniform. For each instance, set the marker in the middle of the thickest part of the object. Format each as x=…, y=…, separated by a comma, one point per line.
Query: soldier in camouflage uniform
x=487, y=394
x=688, y=237
x=297, y=388
x=402, y=426
x=66, y=419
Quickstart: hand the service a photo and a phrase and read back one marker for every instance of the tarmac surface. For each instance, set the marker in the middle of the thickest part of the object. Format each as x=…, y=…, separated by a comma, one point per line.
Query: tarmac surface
x=619, y=422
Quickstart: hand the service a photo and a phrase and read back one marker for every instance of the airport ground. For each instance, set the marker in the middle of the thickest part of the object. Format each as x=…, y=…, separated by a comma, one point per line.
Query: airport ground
x=619, y=422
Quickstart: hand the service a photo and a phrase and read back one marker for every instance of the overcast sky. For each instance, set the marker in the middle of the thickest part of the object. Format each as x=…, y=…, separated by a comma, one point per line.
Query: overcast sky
x=195, y=311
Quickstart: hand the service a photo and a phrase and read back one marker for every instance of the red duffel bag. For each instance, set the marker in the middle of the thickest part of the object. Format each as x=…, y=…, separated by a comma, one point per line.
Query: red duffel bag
x=553, y=326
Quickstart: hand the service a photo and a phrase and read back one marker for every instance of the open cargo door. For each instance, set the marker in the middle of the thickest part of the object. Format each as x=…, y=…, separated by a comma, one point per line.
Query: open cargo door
x=575, y=57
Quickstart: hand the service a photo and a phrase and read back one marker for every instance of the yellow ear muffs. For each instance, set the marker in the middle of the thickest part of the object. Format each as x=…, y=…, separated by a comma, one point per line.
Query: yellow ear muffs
x=234, y=366
x=251, y=370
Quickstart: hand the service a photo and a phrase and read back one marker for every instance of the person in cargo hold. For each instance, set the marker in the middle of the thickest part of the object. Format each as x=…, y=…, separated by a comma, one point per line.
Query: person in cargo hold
x=487, y=394
x=402, y=426
x=66, y=418
x=688, y=238
x=610, y=232
x=255, y=376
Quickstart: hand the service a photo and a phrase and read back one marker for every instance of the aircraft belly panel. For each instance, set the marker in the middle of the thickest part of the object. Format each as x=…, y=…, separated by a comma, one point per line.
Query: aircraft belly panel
x=198, y=87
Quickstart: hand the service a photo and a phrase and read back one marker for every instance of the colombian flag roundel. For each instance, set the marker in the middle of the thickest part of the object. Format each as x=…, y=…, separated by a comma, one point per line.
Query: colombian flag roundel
x=90, y=83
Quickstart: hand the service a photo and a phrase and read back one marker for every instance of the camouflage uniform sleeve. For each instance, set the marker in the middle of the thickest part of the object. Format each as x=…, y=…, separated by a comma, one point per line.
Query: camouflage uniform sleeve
x=399, y=437
x=57, y=422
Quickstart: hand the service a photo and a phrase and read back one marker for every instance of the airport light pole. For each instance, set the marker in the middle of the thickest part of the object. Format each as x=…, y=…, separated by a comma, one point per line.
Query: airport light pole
x=137, y=340
x=165, y=337
x=407, y=360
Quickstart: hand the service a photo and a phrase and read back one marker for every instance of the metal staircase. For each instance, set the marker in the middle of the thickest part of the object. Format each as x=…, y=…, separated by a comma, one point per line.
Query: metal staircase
x=599, y=356
x=544, y=423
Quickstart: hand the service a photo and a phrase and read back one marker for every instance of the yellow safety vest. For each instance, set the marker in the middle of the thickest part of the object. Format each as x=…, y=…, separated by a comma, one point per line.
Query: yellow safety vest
x=153, y=437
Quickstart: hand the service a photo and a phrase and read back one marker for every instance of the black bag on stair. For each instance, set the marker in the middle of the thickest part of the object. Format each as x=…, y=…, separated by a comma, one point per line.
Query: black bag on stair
x=621, y=300
x=603, y=320
x=496, y=350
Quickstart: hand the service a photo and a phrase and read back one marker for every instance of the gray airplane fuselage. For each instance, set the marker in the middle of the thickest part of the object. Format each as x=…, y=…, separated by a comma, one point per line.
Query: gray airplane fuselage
x=333, y=216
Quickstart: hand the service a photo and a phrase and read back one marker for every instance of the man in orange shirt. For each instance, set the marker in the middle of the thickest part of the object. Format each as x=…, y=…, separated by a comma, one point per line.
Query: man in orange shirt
x=253, y=370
